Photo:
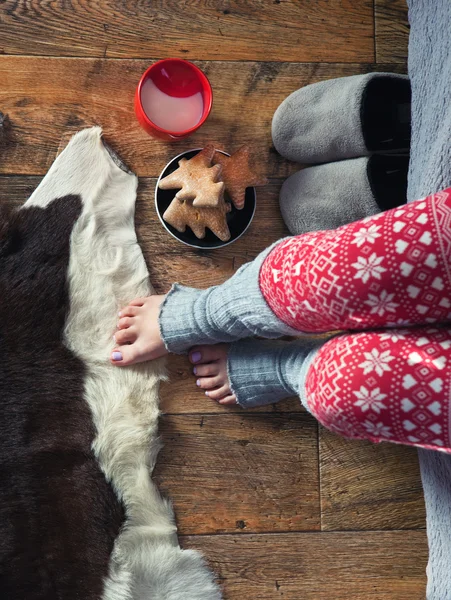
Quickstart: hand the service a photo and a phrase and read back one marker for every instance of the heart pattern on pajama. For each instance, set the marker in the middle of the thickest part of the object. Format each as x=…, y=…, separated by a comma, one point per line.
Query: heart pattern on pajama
x=386, y=386
x=390, y=270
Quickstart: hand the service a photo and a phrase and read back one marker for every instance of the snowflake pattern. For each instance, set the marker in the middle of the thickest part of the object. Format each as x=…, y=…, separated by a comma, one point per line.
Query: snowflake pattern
x=376, y=361
x=390, y=269
x=381, y=304
x=364, y=235
x=378, y=429
x=395, y=336
x=370, y=399
x=387, y=271
x=368, y=267
x=405, y=403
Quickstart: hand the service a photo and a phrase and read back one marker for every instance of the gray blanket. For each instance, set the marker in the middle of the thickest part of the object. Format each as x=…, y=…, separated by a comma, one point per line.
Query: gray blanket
x=430, y=171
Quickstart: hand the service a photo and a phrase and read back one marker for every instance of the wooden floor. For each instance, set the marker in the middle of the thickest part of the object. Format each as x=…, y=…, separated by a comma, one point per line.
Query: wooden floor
x=280, y=507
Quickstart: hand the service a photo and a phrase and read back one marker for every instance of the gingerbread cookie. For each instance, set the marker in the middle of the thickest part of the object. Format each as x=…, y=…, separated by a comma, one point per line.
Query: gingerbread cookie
x=238, y=175
x=197, y=179
x=182, y=213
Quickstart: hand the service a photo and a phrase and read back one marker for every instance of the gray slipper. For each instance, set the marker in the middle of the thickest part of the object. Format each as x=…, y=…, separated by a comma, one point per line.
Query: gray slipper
x=344, y=118
x=328, y=196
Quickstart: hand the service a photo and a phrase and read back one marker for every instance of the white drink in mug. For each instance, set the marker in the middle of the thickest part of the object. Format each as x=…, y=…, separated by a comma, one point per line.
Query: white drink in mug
x=169, y=112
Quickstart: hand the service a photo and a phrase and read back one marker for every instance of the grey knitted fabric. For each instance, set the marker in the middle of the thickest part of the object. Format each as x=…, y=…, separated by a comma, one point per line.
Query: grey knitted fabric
x=430, y=171
x=264, y=372
x=224, y=313
x=322, y=122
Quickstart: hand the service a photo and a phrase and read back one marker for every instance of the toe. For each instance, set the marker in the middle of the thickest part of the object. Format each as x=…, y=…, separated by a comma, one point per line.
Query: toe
x=127, y=355
x=229, y=400
x=206, y=354
x=129, y=311
x=123, y=356
x=219, y=393
x=208, y=383
x=125, y=322
x=138, y=302
x=208, y=370
x=125, y=336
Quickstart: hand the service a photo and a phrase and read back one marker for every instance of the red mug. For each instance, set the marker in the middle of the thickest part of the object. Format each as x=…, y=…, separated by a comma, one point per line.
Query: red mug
x=176, y=78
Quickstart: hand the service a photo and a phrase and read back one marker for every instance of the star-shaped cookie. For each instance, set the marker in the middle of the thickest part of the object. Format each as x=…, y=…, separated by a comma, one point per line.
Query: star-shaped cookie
x=197, y=179
x=238, y=175
x=181, y=214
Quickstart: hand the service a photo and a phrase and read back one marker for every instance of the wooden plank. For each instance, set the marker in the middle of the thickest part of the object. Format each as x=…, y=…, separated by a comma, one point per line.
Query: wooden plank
x=326, y=566
x=241, y=472
x=15, y=191
x=288, y=30
x=392, y=31
x=47, y=99
x=369, y=486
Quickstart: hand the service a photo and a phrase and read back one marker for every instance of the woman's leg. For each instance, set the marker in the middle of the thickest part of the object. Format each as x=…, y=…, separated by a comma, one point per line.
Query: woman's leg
x=188, y=316
x=253, y=372
x=387, y=270
x=392, y=386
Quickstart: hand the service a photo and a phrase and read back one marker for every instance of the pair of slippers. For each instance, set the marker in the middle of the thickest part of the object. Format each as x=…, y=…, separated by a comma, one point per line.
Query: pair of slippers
x=358, y=129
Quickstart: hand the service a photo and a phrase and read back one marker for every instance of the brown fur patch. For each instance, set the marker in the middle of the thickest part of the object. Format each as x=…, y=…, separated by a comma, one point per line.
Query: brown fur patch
x=58, y=515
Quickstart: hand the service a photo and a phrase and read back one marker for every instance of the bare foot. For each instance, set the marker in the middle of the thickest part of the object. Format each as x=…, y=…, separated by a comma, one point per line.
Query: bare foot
x=211, y=372
x=138, y=337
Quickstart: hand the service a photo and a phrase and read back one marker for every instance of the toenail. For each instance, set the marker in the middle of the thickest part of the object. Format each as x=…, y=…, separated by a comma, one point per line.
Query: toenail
x=114, y=338
x=195, y=371
x=196, y=356
x=198, y=382
x=117, y=356
x=119, y=314
x=207, y=393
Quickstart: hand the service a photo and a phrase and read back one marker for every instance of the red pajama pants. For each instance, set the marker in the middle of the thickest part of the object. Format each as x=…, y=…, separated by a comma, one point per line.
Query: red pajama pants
x=388, y=279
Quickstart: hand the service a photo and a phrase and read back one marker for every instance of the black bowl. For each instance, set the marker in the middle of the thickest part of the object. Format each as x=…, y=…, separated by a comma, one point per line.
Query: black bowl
x=237, y=220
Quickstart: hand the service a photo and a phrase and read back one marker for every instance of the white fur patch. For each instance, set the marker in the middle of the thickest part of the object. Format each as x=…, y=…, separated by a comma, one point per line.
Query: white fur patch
x=107, y=270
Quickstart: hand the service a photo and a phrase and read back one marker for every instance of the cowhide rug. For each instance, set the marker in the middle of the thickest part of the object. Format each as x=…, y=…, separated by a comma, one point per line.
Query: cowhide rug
x=80, y=518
